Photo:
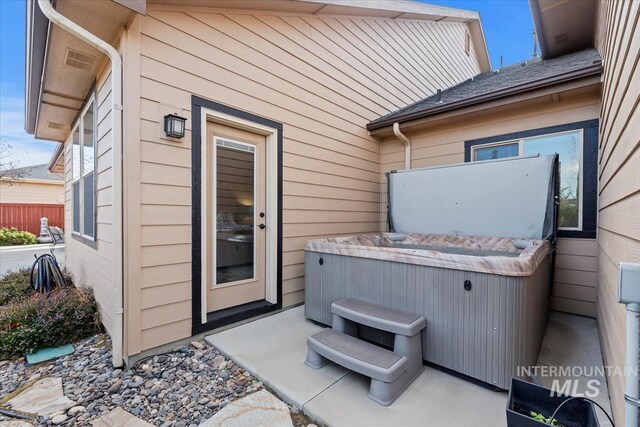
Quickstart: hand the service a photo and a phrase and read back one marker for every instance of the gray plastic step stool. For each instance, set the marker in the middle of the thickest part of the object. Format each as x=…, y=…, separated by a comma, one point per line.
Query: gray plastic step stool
x=391, y=372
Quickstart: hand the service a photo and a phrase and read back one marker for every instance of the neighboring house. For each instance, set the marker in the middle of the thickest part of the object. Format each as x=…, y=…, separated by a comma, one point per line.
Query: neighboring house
x=34, y=193
x=293, y=109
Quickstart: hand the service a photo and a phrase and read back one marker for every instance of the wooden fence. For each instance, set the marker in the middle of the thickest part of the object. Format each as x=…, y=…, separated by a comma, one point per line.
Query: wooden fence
x=26, y=216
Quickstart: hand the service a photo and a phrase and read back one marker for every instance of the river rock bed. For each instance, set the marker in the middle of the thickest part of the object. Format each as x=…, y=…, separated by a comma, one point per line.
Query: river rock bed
x=181, y=388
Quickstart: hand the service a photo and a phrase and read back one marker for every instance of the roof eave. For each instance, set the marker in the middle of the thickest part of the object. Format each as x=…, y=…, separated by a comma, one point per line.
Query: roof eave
x=55, y=156
x=37, y=29
x=534, y=6
x=480, y=44
x=591, y=70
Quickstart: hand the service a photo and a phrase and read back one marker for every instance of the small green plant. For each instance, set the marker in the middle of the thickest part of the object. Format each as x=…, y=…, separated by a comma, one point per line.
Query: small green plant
x=13, y=237
x=47, y=320
x=539, y=417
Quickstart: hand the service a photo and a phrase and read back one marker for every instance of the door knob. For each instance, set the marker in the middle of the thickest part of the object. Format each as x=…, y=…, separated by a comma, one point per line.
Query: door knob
x=262, y=226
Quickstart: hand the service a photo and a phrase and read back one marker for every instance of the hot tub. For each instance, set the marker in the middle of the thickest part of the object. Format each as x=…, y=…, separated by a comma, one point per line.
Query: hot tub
x=485, y=298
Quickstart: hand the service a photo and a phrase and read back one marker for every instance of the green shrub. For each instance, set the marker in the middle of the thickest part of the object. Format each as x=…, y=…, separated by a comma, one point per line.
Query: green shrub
x=11, y=237
x=14, y=285
x=47, y=320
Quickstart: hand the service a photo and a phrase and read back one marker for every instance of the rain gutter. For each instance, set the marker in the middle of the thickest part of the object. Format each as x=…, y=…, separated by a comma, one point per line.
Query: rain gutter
x=591, y=70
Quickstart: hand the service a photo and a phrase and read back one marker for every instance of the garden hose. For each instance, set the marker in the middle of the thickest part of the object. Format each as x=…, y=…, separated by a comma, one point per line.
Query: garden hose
x=46, y=274
x=553, y=416
x=137, y=367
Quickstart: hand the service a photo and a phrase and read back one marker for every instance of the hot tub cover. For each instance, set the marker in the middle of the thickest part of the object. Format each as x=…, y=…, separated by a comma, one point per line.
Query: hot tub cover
x=507, y=198
x=493, y=255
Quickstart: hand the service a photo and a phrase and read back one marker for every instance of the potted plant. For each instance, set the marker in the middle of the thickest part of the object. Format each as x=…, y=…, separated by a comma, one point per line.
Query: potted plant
x=531, y=405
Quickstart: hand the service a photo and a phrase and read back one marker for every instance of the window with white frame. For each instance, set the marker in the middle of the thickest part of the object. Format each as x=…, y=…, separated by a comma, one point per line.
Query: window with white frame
x=83, y=139
x=568, y=146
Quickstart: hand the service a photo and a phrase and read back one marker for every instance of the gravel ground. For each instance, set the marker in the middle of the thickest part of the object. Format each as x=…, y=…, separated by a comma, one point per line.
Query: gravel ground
x=182, y=388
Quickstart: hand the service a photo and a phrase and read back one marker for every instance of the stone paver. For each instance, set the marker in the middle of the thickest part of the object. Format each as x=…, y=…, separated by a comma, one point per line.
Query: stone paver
x=14, y=423
x=44, y=397
x=119, y=417
x=258, y=409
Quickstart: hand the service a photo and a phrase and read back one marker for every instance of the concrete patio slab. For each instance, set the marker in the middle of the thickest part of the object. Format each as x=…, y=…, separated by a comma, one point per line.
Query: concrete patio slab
x=276, y=347
x=572, y=342
x=580, y=332
x=274, y=350
x=433, y=399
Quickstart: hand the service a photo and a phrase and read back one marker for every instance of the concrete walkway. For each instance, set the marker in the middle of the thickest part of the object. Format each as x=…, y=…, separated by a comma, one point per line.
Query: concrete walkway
x=274, y=349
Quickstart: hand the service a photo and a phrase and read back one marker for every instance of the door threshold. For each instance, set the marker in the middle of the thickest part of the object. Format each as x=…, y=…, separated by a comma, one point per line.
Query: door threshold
x=227, y=316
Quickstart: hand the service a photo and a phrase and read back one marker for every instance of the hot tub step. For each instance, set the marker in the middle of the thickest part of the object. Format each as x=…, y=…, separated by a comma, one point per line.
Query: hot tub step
x=356, y=355
x=378, y=317
x=390, y=373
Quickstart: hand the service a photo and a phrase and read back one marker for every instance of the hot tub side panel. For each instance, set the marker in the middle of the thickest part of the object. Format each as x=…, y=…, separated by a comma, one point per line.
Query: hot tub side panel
x=486, y=332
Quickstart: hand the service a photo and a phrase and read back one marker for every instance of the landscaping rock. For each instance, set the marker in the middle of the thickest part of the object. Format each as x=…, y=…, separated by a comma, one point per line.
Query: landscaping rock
x=184, y=387
x=197, y=345
x=59, y=419
x=76, y=410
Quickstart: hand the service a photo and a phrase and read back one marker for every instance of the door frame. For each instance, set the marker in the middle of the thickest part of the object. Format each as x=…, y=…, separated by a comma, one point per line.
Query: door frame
x=203, y=110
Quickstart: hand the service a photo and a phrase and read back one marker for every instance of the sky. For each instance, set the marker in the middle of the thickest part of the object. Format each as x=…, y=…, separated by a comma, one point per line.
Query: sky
x=26, y=151
x=507, y=27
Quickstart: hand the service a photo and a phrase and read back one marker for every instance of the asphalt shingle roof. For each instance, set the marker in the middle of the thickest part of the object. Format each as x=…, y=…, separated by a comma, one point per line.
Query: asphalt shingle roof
x=37, y=172
x=492, y=81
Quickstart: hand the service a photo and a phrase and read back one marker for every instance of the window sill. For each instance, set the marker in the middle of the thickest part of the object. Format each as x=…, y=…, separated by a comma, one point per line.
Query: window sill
x=86, y=240
x=577, y=234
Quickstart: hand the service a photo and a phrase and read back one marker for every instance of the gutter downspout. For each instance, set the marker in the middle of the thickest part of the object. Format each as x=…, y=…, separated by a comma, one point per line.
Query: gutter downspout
x=632, y=389
x=407, y=144
x=629, y=295
x=116, y=127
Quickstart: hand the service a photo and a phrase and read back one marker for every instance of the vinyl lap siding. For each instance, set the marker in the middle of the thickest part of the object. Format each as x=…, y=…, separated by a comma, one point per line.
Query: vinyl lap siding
x=33, y=192
x=618, y=26
x=575, y=271
x=88, y=266
x=324, y=79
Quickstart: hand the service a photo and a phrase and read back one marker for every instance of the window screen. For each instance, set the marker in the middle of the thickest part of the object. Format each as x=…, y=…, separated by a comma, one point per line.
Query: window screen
x=83, y=171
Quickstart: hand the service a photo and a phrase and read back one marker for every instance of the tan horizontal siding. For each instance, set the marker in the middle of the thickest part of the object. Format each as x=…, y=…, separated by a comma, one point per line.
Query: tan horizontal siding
x=618, y=24
x=323, y=78
x=31, y=192
x=574, y=277
x=93, y=267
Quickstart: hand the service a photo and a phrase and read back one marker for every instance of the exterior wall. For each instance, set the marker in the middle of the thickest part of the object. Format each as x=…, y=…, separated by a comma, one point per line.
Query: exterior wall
x=92, y=266
x=323, y=78
x=574, y=290
x=48, y=193
x=618, y=26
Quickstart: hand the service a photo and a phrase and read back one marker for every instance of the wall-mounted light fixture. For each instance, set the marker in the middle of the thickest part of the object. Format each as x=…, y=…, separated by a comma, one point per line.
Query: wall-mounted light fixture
x=174, y=125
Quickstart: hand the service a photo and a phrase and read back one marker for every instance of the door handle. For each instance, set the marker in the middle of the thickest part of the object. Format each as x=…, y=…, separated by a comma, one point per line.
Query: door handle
x=262, y=226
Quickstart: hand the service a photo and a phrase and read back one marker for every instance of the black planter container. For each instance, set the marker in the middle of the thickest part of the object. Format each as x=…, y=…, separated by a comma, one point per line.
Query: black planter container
x=525, y=397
